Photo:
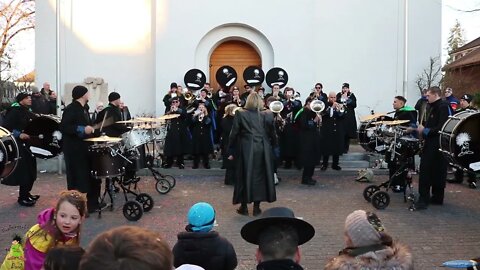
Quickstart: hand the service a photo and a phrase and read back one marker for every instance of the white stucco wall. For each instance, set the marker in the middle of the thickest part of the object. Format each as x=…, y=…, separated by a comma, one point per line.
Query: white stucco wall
x=355, y=41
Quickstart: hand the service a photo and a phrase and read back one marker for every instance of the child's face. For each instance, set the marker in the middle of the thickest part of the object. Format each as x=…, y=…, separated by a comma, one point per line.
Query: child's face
x=67, y=217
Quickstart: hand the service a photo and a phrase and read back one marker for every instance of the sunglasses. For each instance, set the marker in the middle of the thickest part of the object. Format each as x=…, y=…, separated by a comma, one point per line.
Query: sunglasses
x=317, y=87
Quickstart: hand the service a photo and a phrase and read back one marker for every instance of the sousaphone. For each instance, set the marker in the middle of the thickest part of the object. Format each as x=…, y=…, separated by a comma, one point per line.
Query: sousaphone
x=194, y=79
x=278, y=76
x=253, y=76
x=226, y=76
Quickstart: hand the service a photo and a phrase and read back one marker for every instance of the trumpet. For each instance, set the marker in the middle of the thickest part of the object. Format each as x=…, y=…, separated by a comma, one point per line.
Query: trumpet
x=188, y=96
x=340, y=107
x=210, y=95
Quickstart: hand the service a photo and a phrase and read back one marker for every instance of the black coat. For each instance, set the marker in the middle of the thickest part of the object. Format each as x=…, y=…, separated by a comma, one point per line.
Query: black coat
x=16, y=120
x=332, y=132
x=113, y=112
x=77, y=161
x=177, y=141
x=252, y=137
x=350, y=121
x=40, y=104
x=208, y=250
x=202, y=136
x=285, y=264
x=309, y=138
x=289, y=137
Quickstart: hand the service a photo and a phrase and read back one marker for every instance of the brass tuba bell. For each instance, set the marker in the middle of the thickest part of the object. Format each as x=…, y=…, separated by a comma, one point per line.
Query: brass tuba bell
x=276, y=106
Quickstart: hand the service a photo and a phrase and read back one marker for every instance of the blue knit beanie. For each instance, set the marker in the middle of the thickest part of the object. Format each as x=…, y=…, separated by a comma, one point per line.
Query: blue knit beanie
x=201, y=217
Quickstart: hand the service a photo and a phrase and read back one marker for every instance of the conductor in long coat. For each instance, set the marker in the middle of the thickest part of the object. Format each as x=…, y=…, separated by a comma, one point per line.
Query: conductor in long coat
x=251, y=141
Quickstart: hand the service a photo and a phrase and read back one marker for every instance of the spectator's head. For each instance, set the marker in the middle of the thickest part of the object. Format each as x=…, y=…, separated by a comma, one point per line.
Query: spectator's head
x=364, y=229
x=70, y=212
x=63, y=258
x=201, y=217
x=254, y=102
x=433, y=94
x=448, y=92
x=52, y=95
x=465, y=100
x=99, y=107
x=278, y=233
x=128, y=248
x=399, y=102
x=46, y=86
x=24, y=98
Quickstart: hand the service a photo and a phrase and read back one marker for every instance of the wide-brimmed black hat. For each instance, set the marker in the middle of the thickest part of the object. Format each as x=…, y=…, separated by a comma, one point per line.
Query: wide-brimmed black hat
x=277, y=216
x=194, y=79
x=278, y=76
x=226, y=76
x=253, y=75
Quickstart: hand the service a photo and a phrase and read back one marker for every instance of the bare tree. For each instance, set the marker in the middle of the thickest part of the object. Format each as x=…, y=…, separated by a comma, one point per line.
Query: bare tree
x=430, y=76
x=16, y=16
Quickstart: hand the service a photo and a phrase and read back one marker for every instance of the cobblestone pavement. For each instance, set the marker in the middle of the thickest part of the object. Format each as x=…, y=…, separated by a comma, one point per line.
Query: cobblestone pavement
x=435, y=235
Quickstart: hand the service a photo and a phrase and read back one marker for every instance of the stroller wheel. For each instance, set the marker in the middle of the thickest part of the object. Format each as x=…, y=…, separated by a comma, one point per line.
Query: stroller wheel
x=146, y=201
x=132, y=210
x=163, y=186
x=380, y=200
x=171, y=180
x=368, y=192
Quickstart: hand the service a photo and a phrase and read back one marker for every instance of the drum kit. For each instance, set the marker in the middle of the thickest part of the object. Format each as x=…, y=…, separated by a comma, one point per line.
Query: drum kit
x=111, y=155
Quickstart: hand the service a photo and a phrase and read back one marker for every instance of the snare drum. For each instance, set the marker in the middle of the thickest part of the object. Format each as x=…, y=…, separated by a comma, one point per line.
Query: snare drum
x=9, y=153
x=45, y=136
x=136, y=138
x=460, y=140
x=369, y=136
x=408, y=147
x=105, y=162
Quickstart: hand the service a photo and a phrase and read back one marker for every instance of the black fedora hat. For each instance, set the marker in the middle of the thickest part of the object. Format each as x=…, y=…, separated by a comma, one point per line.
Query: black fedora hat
x=277, y=216
x=226, y=76
x=253, y=75
x=278, y=76
x=194, y=79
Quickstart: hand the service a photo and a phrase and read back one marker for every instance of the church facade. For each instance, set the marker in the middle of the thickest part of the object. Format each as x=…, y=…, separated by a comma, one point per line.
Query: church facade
x=138, y=47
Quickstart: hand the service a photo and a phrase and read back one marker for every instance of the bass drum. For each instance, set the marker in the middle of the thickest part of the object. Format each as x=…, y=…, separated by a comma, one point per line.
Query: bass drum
x=460, y=140
x=45, y=136
x=105, y=161
x=369, y=136
x=9, y=153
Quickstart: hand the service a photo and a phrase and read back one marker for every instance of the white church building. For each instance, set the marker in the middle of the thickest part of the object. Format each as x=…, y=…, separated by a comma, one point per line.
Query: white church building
x=138, y=47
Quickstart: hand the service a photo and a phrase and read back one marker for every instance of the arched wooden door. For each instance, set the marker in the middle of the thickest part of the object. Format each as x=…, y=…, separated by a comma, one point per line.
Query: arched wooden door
x=236, y=54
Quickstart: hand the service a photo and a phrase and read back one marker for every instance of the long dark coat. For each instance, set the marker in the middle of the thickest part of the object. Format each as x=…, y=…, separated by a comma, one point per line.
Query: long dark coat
x=77, y=161
x=229, y=165
x=309, y=138
x=208, y=250
x=177, y=141
x=332, y=133
x=252, y=137
x=16, y=120
x=114, y=113
x=289, y=137
x=202, y=136
x=350, y=121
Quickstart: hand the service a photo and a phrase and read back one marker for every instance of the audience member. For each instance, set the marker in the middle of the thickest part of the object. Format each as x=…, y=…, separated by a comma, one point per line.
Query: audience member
x=63, y=258
x=278, y=234
x=201, y=246
x=368, y=246
x=127, y=248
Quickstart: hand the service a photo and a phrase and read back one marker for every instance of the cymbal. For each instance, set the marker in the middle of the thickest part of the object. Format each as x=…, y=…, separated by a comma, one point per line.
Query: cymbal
x=104, y=138
x=131, y=121
x=371, y=117
x=391, y=123
x=147, y=126
x=147, y=119
x=168, y=116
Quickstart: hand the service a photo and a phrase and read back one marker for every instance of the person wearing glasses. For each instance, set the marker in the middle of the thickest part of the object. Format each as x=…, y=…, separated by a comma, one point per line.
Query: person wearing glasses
x=318, y=93
x=177, y=141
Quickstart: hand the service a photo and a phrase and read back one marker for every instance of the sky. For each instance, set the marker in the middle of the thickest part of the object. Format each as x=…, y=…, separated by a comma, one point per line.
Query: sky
x=451, y=11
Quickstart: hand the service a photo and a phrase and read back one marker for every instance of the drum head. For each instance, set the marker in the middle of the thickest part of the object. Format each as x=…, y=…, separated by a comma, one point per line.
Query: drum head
x=466, y=141
x=253, y=75
x=46, y=138
x=194, y=79
x=278, y=76
x=226, y=76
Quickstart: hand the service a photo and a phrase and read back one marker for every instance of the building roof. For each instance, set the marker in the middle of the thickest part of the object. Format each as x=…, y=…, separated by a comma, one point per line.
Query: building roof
x=472, y=44
x=29, y=77
x=472, y=58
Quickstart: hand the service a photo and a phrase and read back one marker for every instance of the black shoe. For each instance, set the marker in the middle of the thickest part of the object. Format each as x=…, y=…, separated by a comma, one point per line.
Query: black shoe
x=33, y=197
x=242, y=211
x=336, y=167
x=309, y=182
x=323, y=168
x=256, y=211
x=454, y=181
x=472, y=185
x=181, y=166
x=26, y=202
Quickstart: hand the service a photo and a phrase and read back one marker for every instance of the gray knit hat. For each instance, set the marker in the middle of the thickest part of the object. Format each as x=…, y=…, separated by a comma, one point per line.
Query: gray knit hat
x=363, y=228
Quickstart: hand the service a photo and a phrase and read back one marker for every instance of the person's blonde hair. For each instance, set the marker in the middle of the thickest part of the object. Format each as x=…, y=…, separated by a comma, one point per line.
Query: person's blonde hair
x=229, y=110
x=254, y=102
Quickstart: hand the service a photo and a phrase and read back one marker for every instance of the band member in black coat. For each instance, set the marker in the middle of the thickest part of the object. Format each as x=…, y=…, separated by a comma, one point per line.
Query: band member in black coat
x=465, y=101
x=252, y=137
x=349, y=102
x=318, y=93
x=177, y=141
x=227, y=124
x=75, y=127
x=433, y=166
x=275, y=93
x=16, y=120
x=289, y=136
x=167, y=99
x=114, y=114
x=332, y=132
x=309, y=122
x=202, y=145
